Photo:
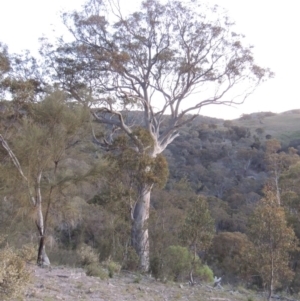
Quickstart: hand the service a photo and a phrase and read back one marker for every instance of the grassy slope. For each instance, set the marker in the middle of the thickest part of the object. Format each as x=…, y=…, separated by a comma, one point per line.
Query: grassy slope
x=284, y=127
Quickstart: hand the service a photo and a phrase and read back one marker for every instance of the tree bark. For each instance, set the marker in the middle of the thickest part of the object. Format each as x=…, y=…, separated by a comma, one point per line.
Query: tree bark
x=42, y=258
x=271, y=284
x=276, y=179
x=41, y=250
x=139, y=231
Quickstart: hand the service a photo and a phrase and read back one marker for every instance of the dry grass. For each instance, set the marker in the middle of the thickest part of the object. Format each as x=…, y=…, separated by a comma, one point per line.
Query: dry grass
x=14, y=275
x=284, y=126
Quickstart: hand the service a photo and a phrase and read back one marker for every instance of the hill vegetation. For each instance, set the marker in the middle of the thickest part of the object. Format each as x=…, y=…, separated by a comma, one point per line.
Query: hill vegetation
x=94, y=176
x=225, y=163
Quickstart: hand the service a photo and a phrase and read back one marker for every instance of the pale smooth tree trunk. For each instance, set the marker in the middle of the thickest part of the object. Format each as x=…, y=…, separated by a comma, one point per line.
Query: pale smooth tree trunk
x=276, y=179
x=42, y=258
x=271, y=281
x=139, y=231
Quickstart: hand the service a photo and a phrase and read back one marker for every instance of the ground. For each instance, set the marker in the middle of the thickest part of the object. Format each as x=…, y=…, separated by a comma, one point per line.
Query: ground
x=64, y=283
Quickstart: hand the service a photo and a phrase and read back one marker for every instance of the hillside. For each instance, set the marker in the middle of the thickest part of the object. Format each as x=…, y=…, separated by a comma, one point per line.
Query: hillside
x=226, y=164
x=227, y=159
x=284, y=126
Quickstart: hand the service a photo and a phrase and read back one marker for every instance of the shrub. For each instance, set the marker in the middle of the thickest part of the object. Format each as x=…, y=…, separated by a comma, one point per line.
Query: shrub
x=177, y=262
x=113, y=268
x=131, y=260
x=156, y=267
x=204, y=273
x=28, y=252
x=14, y=275
x=87, y=255
x=95, y=270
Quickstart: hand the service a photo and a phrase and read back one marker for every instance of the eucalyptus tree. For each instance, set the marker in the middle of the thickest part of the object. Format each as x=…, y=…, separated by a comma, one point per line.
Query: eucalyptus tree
x=277, y=162
x=198, y=230
x=165, y=58
x=20, y=78
x=273, y=242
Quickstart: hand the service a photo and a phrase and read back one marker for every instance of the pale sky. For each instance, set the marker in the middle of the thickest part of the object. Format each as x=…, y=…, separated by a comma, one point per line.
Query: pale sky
x=272, y=26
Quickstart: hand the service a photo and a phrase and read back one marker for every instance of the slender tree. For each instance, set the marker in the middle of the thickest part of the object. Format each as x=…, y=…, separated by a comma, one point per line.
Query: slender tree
x=36, y=150
x=152, y=60
x=272, y=242
x=278, y=162
x=198, y=230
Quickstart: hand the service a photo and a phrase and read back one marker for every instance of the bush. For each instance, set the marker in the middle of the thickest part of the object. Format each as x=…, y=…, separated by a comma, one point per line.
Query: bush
x=14, y=275
x=156, y=267
x=204, y=273
x=131, y=260
x=113, y=268
x=177, y=262
x=96, y=270
x=87, y=255
x=28, y=252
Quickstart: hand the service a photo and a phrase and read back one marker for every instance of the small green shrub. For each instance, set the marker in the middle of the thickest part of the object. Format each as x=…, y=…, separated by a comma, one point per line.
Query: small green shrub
x=113, y=268
x=131, y=260
x=156, y=267
x=204, y=273
x=14, y=275
x=137, y=279
x=96, y=270
x=87, y=255
x=177, y=262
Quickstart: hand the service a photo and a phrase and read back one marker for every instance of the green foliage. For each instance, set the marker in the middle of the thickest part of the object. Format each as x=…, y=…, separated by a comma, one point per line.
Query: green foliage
x=199, y=227
x=4, y=60
x=228, y=256
x=137, y=279
x=156, y=267
x=28, y=252
x=87, y=255
x=177, y=262
x=141, y=167
x=40, y=141
x=96, y=270
x=204, y=273
x=114, y=203
x=272, y=241
x=113, y=268
x=14, y=275
x=131, y=259
x=144, y=137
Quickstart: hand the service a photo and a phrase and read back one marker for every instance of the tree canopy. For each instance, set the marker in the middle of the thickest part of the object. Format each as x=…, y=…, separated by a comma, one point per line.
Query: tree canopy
x=152, y=60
